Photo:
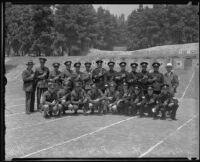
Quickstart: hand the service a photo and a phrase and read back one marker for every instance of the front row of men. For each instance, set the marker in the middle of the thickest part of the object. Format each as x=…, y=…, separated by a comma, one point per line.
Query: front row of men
x=122, y=92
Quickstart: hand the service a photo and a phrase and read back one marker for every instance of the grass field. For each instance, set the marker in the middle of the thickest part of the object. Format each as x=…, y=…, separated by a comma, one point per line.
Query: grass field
x=100, y=135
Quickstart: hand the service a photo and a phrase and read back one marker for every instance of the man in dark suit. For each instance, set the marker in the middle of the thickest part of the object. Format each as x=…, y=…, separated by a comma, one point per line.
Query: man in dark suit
x=28, y=81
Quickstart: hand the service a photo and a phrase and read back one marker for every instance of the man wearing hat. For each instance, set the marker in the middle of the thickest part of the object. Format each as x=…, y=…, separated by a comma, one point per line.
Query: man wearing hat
x=143, y=77
x=49, y=101
x=67, y=72
x=77, y=75
x=122, y=75
x=171, y=79
x=41, y=74
x=133, y=75
x=137, y=101
x=156, y=79
x=87, y=76
x=78, y=98
x=98, y=75
x=124, y=104
x=28, y=86
x=55, y=75
x=111, y=73
x=149, y=102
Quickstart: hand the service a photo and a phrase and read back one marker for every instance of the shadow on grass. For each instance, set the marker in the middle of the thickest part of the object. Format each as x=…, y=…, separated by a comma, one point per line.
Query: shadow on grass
x=9, y=67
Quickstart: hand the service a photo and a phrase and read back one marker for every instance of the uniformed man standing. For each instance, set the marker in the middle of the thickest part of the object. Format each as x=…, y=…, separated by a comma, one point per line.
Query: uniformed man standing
x=171, y=79
x=133, y=75
x=111, y=73
x=67, y=72
x=122, y=76
x=28, y=81
x=87, y=76
x=78, y=75
x=55, y=75
x=98, y=75
x=156, y=79
x=41, y=75
x=143, y=77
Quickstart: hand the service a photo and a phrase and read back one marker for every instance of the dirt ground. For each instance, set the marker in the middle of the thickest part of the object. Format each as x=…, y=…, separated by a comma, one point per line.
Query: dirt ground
x=101, y=135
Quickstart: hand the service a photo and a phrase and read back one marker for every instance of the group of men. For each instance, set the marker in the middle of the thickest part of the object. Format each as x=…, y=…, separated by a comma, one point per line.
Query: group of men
x=122, y=92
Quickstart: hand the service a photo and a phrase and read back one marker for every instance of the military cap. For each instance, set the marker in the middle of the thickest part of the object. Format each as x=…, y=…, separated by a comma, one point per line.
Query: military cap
x=111, y=63
x=42, y=59
x=122, y=63
x=99, y=61
x=134, y=65
x=143, y=63
x=169, y=64
x=77, y=64
x=156, y=64
x=67, y=62
x=30, y=62
x=88, y=63
x=150, y=87
x=165, y=86
x=56, y=64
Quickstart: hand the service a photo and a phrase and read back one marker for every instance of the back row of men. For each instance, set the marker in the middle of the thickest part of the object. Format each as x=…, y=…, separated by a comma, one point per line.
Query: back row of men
x=99, y=77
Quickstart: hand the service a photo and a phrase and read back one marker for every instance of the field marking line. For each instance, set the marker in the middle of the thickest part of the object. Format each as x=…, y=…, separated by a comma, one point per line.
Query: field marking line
x=74, y=139
x=160, y=142
x=40, y=123
x=164, y=139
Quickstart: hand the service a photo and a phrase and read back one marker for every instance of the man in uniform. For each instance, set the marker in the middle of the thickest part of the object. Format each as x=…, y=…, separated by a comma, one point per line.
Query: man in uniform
x=41, y=75
x=95, y=97
x=133, y=75
x=55, y=75
x=124, y=104
x=78, y=98
x=28, y=81
x=77, y=75
x=122, y=76
x=112, y=96
x=171, y=79
x=166, y=102
x=111, y=73
x=156, y=79
x=67, y=72
x=49, y=103
x=99, y=76
x=64, y=95
x=137, y=101
x=149, y=101
x=87, y=76
x=143, y=77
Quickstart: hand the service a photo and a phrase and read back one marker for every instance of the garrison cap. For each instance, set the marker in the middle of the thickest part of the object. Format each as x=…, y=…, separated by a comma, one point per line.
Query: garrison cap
x=143, y=64
x=30, y=62
x=68, y=62
x=150, y=87
x=134, y=65
x=88, y=63
x=56, y=64
x=156, y=64
x=77, y=64
x=122, y=64
x=111, y=63
x=165, y=86
x=42, y=59
x=99, y=61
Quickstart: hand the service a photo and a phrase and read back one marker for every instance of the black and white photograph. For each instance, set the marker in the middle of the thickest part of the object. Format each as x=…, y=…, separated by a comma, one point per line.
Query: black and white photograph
x=101, y=80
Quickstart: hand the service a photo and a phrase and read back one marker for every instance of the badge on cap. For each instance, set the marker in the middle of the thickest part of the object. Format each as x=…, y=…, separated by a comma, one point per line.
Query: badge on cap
x=67, y=62
x=99, y=61
x=77, y=64
x=143, y=63
x=156, y=64
x=30, y=63
x=111, y=63
x=56, y=64
x=134, y=65
x=122, y=64
x=42, y=59
x=88, y=63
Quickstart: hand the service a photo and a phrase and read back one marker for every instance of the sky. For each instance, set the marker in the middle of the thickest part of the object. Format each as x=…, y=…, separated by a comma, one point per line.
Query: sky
x=118, y=9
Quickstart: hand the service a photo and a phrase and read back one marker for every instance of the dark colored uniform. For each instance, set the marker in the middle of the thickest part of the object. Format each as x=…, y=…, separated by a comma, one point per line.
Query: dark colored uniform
x=67, y=73
x=28, y=87
x=158, y=82
x=133, y=78
x=64, y=98
x=143, y=77
x=110, y=76
x=121, y=77
x=87, y=80
x=55, y=76
x=99, y=77
x=41, y=82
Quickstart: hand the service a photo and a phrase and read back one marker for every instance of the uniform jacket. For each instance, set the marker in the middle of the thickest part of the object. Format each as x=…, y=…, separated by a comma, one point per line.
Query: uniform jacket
x=133, y=77
x=121, y=77
x=110, y=75
x=172, y=80
x=63, y=93
x=28, y=82
x=164, y=98
x=67, y=73
x=115, y=95
x=137, y=98
x=76, y=96
x=42, y=82
x=49, y=97
x=99, y=79
x=54, y=75
x=87, y=79
x=143, y=77
x=150, y=99
x=94, y=94
x=158, y=82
